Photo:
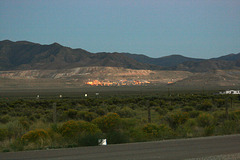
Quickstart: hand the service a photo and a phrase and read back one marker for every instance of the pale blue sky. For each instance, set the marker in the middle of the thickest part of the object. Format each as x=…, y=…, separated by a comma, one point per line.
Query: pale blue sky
x=193, y=28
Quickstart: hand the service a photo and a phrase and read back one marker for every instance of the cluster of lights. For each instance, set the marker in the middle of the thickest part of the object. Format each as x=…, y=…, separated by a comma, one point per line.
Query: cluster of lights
x=116, y=83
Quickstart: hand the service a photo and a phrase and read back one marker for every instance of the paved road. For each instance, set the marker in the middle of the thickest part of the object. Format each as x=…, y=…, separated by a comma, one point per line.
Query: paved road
x=169, y=149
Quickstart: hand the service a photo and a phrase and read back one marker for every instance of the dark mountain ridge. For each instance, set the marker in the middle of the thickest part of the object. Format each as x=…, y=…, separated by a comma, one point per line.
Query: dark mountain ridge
x=24, y=55
x=229, y=57
x=166, y=61
x=27, y=55
x=231, y=61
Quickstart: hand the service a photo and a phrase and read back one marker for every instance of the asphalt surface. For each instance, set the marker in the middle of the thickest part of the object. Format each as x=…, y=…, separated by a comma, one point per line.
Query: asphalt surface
x=195, y=148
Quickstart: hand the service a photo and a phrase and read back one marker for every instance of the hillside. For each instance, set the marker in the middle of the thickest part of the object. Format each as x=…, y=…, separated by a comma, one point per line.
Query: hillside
x=181, y=63
x=117, y=76
x=24, y=55
x=229, y=57
x=207, y=65
x=167, y=61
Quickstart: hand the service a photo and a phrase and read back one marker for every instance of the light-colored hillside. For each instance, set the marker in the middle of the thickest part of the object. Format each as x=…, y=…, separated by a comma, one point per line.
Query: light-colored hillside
x=116, y=76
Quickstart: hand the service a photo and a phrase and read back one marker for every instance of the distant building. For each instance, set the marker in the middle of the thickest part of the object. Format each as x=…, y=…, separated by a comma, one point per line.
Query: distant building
x=230, y=92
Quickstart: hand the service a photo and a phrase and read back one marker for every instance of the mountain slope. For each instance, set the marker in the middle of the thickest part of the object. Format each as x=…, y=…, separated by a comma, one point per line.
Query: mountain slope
x=231, y=61
x=178, y=62
x=167, y=61
x=23, y=55
x=229, y=57
x=27, y=55
x=206, y=65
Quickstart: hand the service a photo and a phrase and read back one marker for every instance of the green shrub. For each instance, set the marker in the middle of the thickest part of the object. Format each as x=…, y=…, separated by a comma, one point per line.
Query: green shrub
x=116, y=137
x=151, y=129
x=108, y=123
x=194, y=114
x=235, y=115
x=15, y=129
x=205, y=106
x=209, y=130
x=170, y=108
x=164, y=131
x=177, y=118
x=56, y=140
x=157, y=131
x=71, y=129
x=86, y=116
x=32, y=118
x=4, y=119
x=137, y=134
x=3, y=134
x=229, y=127
x=89, y=139
x=24, y=122
x=220, y=116
x=17, y=145
x=6, y=150
x=126, y=112
x=37, y=136
x=80, y=133
x=161, y=111
x=187, y=109
x=188, y=129
x=71, y=113
x=47, y=116
x=111, y=108
x=128, y=123
x=191, y=122
x=101, y=111
x=183, y=131
x=205, y=120
x=220, y=102
x=55, y=127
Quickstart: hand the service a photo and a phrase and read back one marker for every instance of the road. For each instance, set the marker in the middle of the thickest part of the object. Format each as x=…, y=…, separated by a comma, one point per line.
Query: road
x=168, y=149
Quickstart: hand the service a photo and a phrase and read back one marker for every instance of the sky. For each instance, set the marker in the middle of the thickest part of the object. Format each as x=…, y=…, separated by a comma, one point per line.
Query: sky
x=156, y=28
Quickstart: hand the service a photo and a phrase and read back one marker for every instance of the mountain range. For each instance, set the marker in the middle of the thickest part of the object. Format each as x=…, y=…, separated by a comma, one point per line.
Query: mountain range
x=24, y=55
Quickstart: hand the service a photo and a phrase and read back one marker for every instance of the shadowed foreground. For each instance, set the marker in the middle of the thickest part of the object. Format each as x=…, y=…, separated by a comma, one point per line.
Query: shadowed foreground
x=169, y=149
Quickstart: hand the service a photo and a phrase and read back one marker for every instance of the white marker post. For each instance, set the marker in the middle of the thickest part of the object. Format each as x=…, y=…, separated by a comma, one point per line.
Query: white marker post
x=97, y=94
x=102, y=142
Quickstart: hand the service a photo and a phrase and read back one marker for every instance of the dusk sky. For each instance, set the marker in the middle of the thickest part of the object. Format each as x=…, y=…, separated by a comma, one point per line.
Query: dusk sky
x=193, y=28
